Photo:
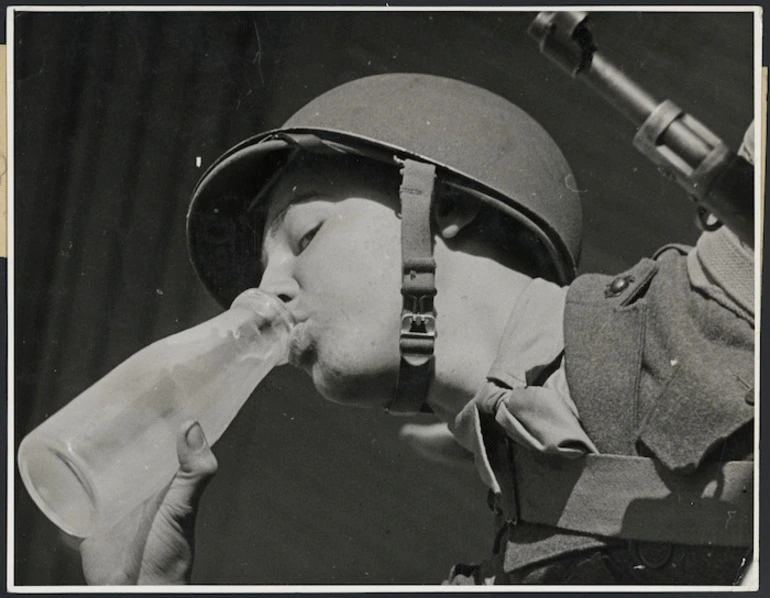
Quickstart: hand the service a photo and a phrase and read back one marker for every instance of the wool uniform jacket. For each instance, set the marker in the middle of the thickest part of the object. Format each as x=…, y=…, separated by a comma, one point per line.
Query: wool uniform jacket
x=662, y=376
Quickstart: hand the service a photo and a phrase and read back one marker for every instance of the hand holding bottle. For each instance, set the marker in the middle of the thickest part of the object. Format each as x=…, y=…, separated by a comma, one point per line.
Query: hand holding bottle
x=113, y=447
x=154, y=544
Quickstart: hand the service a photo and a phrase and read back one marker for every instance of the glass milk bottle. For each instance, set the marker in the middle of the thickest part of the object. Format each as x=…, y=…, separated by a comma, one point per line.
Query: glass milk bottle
x=114, y=445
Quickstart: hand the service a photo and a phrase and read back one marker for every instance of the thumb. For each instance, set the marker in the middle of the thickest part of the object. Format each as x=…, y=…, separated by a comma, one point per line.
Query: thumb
x=168, y=553
x=195, y=456
x=197, y=465
x=156, y=540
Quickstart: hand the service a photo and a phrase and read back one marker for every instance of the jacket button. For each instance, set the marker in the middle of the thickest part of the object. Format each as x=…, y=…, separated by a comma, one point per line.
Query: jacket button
x=617, y=286
x=653, y=555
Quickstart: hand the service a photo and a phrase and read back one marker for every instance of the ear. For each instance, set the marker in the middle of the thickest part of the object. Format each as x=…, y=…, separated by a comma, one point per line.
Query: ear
x=454, y=211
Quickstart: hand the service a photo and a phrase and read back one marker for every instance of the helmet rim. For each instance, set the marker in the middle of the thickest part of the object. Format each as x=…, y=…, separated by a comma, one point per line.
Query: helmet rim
x=561, y=257
x=531, y=192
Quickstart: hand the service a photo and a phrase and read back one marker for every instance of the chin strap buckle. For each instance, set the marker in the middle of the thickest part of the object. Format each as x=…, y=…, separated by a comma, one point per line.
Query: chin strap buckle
x=418, y=333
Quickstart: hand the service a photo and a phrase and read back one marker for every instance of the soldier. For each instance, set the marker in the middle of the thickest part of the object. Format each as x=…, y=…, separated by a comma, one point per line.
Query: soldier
x=425, y=233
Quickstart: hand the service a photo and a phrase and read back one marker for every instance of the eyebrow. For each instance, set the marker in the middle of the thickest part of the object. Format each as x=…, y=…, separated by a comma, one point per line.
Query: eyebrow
x=279, y=218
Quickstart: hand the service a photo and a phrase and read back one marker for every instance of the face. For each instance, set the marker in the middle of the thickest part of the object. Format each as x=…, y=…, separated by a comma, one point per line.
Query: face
x=332, y=253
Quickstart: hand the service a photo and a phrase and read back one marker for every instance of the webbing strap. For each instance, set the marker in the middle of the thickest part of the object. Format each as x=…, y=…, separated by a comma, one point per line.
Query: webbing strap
x=418, y=324
x=636, y=498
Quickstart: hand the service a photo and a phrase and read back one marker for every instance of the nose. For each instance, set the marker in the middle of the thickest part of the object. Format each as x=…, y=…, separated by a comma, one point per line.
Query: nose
x=279, y=281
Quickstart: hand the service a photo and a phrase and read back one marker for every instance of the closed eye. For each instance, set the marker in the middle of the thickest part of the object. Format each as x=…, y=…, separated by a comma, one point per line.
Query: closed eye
x=308, y=237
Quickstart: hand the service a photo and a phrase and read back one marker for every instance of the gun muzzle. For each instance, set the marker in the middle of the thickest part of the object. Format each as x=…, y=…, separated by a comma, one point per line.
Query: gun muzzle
x=718, y=180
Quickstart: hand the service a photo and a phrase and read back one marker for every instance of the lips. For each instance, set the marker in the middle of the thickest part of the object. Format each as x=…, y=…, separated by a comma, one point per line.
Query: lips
x=300, y=346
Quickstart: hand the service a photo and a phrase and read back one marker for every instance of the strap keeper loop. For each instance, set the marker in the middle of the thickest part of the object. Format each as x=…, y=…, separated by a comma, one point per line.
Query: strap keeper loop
x=419, y=265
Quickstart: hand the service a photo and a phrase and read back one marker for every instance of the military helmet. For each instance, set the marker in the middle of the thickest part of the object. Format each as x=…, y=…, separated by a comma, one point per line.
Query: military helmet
x=478, y=142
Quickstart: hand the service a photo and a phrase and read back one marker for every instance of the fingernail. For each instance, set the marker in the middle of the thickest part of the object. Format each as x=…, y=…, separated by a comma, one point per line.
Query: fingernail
x=194, y=437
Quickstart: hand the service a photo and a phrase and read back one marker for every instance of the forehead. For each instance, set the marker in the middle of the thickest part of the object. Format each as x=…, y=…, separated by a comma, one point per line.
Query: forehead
x=298, y=183
x=330, y=178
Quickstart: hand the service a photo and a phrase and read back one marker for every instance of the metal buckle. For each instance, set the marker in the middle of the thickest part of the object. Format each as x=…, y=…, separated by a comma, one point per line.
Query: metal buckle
x=418, y=325
x=418, y=337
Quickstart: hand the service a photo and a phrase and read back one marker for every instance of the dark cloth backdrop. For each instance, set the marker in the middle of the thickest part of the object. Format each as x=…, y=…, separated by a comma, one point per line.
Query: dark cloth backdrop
x=111, y=112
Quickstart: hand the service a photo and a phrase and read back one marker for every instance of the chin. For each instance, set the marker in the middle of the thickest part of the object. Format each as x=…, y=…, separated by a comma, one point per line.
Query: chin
x=353, y=389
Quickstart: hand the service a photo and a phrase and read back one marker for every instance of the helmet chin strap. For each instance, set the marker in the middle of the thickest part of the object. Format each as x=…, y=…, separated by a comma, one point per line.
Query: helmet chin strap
x=418, y=288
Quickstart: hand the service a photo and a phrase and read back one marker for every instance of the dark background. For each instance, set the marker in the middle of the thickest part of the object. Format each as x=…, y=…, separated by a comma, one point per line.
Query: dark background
x=111, y=111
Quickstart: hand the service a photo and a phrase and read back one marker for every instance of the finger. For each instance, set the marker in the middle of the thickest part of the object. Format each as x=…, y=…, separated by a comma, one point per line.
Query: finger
x=170, y=546
x=193, y=450
x=158, y=534
x=197, y=465
x=113, y=555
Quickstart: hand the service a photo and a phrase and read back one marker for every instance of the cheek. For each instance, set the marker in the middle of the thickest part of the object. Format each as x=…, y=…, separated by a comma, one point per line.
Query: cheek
x=354, y=276
x=349, y=370
x=354, y=270
x=357, y=344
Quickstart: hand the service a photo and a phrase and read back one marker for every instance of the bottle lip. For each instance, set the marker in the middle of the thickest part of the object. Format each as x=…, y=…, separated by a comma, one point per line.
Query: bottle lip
x=36, y=450
x=263, y=303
